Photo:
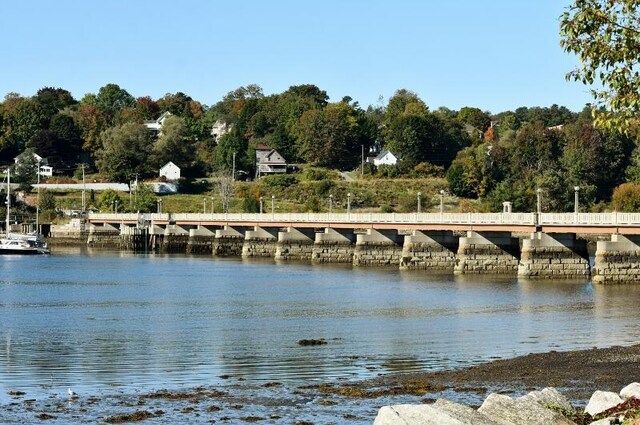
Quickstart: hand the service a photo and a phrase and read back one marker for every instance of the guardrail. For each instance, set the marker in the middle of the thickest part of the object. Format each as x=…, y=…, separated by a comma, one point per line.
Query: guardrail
x=544, y=219
x=368, y=218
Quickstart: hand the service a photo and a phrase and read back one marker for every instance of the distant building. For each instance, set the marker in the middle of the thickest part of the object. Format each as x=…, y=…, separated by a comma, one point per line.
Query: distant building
x=45, y=169
x=385, y=158
x=269, y=161
x=170, y=171
x=219, y=129
x=156, y=126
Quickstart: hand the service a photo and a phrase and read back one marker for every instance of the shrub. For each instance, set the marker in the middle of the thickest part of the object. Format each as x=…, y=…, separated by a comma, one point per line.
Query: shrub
x=626, y=197
x=315, y=174
x=250, y=204
x=280, y=180
x=325, y=186
x=426, y=169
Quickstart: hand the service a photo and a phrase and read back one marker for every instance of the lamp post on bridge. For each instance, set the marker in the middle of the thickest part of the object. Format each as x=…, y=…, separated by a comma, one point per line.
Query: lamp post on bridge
x=576, y=208
x=419, y=203
x=348, y=203
x=273, y=205
x=261, y=201
x=330, y=203
x=538, y=200
x=441, y=202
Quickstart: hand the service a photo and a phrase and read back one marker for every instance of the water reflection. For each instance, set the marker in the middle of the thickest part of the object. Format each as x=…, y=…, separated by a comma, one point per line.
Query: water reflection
x=105, y=319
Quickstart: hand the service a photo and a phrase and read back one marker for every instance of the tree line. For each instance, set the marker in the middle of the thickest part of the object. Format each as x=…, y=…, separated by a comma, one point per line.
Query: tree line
x=494, y=157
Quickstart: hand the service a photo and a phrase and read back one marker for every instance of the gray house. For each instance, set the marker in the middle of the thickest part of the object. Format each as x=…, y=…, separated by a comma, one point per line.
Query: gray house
x=269, y=161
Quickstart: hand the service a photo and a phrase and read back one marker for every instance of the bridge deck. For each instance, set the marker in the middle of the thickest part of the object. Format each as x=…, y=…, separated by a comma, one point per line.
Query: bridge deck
x=594, y=223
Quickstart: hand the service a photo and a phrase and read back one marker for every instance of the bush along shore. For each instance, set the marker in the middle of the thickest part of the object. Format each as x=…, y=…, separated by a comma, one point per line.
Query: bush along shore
x=544, y=407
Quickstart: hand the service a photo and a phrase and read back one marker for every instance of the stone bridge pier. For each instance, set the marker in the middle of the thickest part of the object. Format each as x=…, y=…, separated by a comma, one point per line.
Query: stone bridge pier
x=554, y=256
x=618, y=261
x=377, y=248
x=295, y=244
x=228, y=242
x=334, y=246
x=487, y=252
x=429, y=250
x=260, y=242
x=201, y=240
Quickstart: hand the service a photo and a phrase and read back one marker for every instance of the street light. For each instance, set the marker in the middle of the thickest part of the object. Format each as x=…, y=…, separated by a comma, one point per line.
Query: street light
x=204, y=205
x=273, y=205
x=576, y=200
x=348, y=203
x=116, y=206
x=441, y=201
x=419, y=203
x=261, y=199
x=539, y=200
x=330, y=203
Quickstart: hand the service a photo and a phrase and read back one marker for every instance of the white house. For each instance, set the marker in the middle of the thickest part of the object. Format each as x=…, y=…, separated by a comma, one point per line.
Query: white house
x=45, y=170
x=156, y=126
x=385, y=158
x=170, y=171
x=219, y=129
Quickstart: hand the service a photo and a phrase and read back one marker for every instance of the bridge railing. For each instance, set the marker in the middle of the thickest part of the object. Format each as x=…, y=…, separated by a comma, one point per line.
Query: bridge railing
x=372, y=218
x=590, y=219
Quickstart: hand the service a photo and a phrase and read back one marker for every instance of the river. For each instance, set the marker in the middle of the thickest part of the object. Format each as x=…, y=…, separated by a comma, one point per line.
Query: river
x=109, y=324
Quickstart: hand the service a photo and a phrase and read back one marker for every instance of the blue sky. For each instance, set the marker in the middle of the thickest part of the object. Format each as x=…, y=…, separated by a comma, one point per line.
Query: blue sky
x=493, y=54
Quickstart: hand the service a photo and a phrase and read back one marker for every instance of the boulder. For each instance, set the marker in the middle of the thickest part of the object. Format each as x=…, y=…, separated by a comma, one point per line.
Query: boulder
x=464, y=414
x=605, y=421
x=631, y=390
x=507, y=411
x=414, y=414
x=549, y=396
x=601, y=401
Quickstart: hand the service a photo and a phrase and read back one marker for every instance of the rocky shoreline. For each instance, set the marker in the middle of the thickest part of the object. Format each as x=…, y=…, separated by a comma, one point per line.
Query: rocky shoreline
x=575, y=375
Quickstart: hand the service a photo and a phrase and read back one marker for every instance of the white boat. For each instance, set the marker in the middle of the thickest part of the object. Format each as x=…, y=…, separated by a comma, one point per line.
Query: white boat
x=20, y=243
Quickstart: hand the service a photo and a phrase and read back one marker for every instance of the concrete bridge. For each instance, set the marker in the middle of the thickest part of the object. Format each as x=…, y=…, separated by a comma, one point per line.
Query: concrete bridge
x=536, y=246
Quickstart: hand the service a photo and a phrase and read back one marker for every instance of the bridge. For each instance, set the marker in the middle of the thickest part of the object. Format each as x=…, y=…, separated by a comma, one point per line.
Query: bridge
x=531, y=245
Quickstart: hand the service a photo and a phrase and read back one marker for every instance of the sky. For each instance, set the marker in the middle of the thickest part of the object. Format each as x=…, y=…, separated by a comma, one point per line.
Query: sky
x=496, y=55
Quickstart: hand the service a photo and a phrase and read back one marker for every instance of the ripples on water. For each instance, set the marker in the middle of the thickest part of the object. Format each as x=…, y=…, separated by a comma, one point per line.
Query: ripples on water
x=125, y=321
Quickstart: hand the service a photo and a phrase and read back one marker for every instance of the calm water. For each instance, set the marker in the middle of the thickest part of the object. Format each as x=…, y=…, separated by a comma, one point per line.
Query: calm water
x=111, y=321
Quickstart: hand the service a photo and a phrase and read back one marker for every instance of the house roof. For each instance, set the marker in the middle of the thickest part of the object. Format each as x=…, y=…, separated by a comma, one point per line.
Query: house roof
x=384, y=153
x=169, y=164
x=263, y=148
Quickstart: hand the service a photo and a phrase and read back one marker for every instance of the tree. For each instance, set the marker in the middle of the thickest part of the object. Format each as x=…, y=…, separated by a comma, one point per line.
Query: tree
x=329, y=137
x=144, y=199
x=475, y=117
x=26, y=170
x=108, y=200
x=22, y=118
x=125, y=152
x=605, y=35
x=112, y=100
x=173, y=144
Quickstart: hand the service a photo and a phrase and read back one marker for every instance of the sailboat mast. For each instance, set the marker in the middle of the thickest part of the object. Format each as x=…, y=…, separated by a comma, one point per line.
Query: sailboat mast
x=8, y=200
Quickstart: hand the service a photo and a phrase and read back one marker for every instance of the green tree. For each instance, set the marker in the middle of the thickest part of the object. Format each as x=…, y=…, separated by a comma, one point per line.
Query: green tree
x=112, y=100
x=144, y=200
x=107, y=200
x=330, y=137
x=125, y=153
x=25, y=170
x=173, y=144
x=47, y=201
x=605, y=35
x=475, y=117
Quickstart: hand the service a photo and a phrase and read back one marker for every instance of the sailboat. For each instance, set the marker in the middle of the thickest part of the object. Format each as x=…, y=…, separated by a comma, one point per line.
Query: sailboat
x=20, y=243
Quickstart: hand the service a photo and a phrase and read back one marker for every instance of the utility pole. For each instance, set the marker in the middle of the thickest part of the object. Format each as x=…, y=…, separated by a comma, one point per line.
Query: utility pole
x=84, y=190
x=38, y=201
x=233, y=170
